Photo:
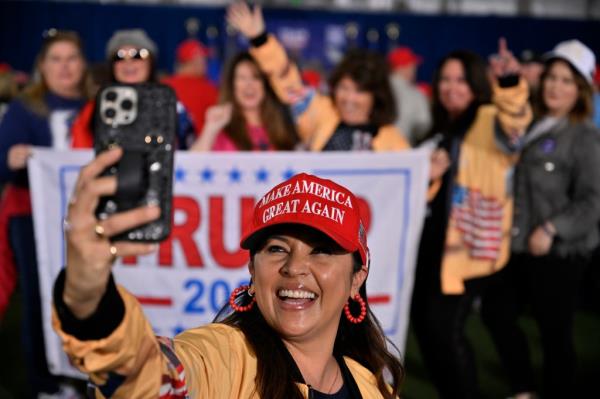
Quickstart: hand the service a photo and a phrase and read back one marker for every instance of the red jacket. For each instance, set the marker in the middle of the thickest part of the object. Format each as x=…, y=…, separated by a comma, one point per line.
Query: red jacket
x=196, y=94
x=15, y=201
x=81, y=134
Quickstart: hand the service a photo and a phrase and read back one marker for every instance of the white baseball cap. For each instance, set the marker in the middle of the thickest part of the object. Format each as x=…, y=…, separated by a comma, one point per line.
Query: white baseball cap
x=577, y=54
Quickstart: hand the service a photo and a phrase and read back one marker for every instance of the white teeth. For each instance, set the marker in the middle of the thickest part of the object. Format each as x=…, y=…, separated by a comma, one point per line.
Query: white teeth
x=296, y=294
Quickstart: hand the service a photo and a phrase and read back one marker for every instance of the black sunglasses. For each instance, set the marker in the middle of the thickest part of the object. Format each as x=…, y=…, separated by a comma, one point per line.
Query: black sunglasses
x=131, y=54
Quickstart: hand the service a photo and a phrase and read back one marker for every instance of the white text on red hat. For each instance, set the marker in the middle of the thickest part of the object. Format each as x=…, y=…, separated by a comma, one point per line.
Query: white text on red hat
x=305, y=187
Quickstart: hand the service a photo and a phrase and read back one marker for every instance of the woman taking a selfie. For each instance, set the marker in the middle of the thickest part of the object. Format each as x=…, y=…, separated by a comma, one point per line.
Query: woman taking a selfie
x=249, y=117
x=302, y=329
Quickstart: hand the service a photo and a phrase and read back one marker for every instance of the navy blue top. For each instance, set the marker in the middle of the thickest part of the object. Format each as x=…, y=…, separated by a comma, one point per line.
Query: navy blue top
x=21, y=125
x=341, y=394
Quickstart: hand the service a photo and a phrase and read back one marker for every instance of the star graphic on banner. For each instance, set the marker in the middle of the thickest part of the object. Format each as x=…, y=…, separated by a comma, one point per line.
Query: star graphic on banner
x=235, y=175
x=288, y=173
x=178, y=329
x=180, y=174
x=207, y=175
x=262, y=175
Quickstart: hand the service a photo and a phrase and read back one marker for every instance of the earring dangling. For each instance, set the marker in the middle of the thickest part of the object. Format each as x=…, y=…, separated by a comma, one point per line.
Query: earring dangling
x=236, y=292
x=363, y=310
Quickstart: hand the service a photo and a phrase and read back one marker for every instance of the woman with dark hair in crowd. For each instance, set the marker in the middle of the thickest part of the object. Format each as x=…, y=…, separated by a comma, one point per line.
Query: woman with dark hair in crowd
x=557, y=209
x=456, y=106
x=465, y=239
x=132, y=58
x=302, y=328
x=249, y=117
x=41, y=116
x=360, y=113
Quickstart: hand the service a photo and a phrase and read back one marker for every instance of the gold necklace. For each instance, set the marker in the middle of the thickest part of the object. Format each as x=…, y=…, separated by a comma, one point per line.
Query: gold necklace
x=334, y=380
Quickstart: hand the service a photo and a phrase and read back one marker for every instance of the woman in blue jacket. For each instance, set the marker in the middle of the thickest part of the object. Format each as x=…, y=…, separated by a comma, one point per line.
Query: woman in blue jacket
x=40, y=117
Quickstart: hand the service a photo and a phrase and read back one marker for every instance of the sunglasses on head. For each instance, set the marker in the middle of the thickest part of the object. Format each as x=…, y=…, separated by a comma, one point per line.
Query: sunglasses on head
x=131, y=54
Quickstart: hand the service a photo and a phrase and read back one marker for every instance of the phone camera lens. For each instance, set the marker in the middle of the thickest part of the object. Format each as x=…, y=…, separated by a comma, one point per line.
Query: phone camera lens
x=111, y=96
x=110, y=113
x=126, y=105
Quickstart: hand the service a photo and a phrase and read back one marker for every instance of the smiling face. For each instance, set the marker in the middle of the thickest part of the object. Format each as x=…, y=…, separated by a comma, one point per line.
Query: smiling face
x=134, y=65
x=454, y=92
x=302, y=280
x=353, y=104
x=62, y=68
x=559, y=89
x=248, y=87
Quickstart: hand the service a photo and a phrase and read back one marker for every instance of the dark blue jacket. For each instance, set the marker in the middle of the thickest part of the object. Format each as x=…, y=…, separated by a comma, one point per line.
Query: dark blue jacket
x=21, y=125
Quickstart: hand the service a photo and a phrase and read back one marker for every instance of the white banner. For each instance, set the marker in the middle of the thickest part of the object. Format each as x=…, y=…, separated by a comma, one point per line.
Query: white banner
x=193, y=273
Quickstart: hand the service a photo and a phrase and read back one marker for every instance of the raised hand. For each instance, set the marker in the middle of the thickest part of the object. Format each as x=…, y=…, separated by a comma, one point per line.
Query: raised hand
x=217, y=117
x=504, y=62
x=90, y=254
x=17, y=156
x=249, y=23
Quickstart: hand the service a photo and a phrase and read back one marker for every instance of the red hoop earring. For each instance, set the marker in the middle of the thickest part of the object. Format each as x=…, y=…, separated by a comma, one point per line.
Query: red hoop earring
x=236, y=292
x=363, y=310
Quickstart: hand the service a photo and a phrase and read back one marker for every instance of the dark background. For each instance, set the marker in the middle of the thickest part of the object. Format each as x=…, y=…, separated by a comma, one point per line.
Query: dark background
x=22, y=24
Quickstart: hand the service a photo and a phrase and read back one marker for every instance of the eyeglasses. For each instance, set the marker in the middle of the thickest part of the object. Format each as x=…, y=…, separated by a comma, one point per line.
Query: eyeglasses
x=131, y=54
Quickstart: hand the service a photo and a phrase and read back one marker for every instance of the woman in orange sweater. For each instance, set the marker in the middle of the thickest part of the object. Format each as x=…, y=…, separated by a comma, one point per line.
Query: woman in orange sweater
x=360, y=113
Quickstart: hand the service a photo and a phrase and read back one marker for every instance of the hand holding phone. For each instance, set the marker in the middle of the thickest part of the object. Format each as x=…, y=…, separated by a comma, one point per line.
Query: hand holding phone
x=142, y=120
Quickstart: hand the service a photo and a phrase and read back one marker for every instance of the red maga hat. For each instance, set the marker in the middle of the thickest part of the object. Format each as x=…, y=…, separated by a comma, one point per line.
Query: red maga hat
x=315, y=202
x=403, y=56
x=190, y=49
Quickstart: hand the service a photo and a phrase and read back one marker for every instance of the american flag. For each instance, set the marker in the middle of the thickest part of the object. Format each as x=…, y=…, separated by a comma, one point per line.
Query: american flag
x=479, y=219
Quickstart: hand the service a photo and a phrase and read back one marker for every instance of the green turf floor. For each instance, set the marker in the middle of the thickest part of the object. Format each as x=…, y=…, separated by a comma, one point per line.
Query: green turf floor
x=492, y=379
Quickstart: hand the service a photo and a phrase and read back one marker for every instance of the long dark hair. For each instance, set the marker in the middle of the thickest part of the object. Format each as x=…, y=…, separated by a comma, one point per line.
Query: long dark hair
x=274, y=115
x=583, y=108
x=364, y=342
x=370, y=72
x=475, y=74
x=34, y=95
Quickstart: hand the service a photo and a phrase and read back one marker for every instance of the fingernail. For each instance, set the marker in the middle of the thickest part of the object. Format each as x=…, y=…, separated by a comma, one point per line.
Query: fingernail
x=153, y=247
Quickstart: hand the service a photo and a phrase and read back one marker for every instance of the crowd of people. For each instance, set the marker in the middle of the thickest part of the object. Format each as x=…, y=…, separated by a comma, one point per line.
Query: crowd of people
x=512, y=218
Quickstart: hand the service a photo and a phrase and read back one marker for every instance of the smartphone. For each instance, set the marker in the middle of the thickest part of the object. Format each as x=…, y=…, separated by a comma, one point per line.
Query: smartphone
x=142, y=120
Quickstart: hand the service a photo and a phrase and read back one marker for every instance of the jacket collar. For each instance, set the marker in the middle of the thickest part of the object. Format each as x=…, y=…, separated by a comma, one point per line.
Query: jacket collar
x=349, y=381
